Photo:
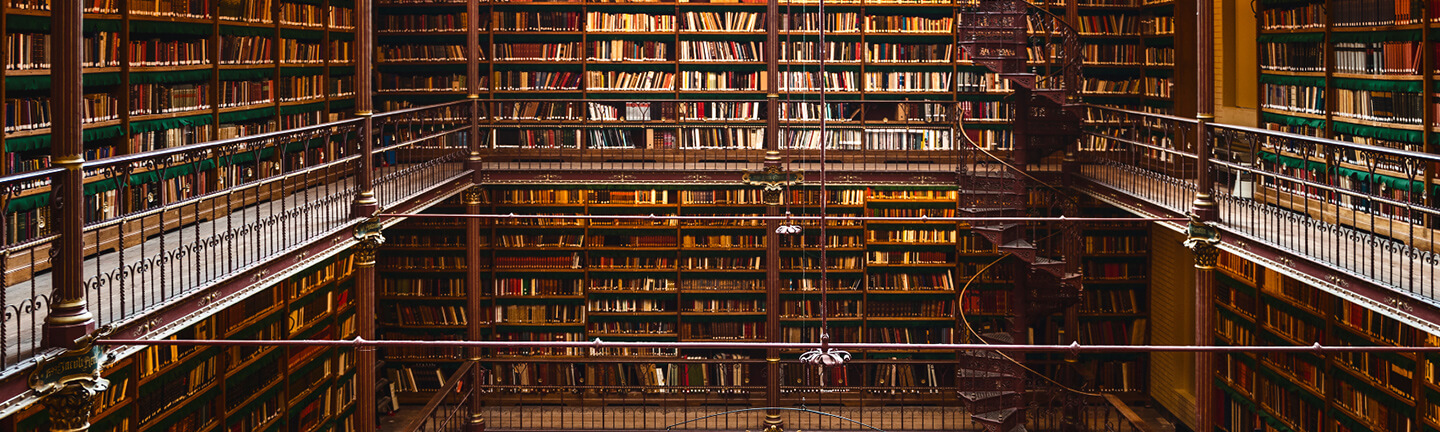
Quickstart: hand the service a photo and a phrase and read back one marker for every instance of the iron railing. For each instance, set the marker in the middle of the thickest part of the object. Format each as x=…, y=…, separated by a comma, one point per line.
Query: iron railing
x=450, y=408
x=546, y=394
x=1366, y=210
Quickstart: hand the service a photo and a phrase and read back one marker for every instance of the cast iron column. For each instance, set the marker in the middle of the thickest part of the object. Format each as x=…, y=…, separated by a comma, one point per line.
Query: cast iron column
x=69, y=317
x=772, y=240
x=365, y=202
x=368, y=234
x=474, y=280
x=472, y=80
x=1205, y=210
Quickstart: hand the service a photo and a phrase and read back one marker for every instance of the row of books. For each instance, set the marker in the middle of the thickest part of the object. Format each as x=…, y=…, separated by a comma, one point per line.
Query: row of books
x=22, y=114
x=1381, y=106
x=539, y=314
x=1400, y=57
x=434, y=53
x=419, y=23
x=630, y=305
x=242, y=93
x=1293, y=17
x=163, y=98
x=1293, y=56
x=1108, y=24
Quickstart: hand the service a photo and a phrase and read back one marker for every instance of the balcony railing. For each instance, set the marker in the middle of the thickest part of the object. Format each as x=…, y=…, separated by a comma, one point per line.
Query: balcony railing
x=686, y=394
x=1366, y=210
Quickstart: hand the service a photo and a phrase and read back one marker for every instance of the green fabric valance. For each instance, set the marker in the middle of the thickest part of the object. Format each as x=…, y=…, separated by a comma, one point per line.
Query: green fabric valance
x=245, y=157
x=1291, y=38
x=1292, y=162
x=1375, y=36
x=1389, y=181
x=300, y=71
x=1292, y=121
x=1411, y=86
x=27, y=203
x=1408, y=136
x=289, y=33
x=170, y=77
x=301, y=109
x=240, y=116
x=164, y=124
x=337, y=105
x=40, y=142
x=42, y=82
x=40, y=24
x=169, y=28
x=246, y=74
x=339, y=35
x=229, y=30
x=1293, y=80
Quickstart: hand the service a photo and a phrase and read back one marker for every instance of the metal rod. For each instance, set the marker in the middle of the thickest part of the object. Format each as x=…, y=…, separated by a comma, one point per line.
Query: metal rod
x=783, y=218
x=597, y=343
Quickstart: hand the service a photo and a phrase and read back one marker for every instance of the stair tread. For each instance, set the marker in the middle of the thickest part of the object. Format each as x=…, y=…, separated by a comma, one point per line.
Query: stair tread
x=1018, y=244
x=973, y=373
x=999, y=337
x=994, y=227
x=975, y=396
x=1047, y=261
x=1019, y=428
x=997, y=416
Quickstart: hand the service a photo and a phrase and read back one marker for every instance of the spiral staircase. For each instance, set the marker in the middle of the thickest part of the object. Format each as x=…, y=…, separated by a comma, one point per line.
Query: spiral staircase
x=1000, y=35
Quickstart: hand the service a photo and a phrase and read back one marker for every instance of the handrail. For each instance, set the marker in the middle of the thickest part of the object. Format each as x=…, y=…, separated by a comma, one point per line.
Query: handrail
x=1136, y=422
x=452, y=384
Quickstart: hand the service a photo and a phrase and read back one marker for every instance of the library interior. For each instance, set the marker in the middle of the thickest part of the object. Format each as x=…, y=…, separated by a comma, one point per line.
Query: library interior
x=720, y=215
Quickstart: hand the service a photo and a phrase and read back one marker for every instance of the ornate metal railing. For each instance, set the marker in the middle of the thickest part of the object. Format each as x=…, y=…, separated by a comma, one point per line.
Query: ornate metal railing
x=450, y=408
x=731, y=394
x=160, y=225
x=1366, y=210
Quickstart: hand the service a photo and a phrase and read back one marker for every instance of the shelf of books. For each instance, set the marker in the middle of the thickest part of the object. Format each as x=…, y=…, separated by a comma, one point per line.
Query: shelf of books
x=422, y=53
x=160, y=74
x=172, y=388
x=704, y=279
x=1301, y=391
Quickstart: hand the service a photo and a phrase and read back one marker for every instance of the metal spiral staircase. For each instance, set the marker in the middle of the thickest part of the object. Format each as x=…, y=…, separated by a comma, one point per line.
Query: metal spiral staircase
x=1001, y=36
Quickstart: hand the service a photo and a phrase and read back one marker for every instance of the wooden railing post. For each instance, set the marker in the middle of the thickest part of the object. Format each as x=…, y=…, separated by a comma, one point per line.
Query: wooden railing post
x=69, y=316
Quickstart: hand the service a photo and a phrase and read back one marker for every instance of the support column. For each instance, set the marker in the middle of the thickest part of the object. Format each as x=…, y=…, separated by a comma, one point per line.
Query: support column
x=472, y=80
x=69, y=316
x=365, y=203
x=772, y=75
x=370, y=239
x=773, y=423
x=474, y=280
x=1204, y=212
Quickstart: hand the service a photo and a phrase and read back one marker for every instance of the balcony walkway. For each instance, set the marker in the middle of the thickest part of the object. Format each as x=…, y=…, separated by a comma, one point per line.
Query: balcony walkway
x=1376, y=258
x=177, y=258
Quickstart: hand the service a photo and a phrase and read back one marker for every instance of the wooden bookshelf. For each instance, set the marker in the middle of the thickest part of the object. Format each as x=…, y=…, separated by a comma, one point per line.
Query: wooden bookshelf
x=241, y=388
x=1302, y=391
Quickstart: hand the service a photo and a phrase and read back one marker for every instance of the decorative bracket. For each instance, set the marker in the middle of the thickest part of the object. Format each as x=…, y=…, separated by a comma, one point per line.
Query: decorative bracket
x=1203, y=238
x=68, y=382
x=368, y=234
x=773, y=179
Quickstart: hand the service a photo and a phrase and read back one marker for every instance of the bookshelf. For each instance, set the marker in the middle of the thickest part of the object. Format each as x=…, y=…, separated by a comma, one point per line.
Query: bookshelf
x=175, y=388
x=704, y=280
x=159, y=74
x=1302, y=391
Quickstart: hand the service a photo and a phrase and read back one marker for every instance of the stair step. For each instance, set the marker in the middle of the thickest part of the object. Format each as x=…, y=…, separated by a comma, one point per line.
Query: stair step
x=983, y=401
x=999, y=337
x=1018, y=244
x=997, y=417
